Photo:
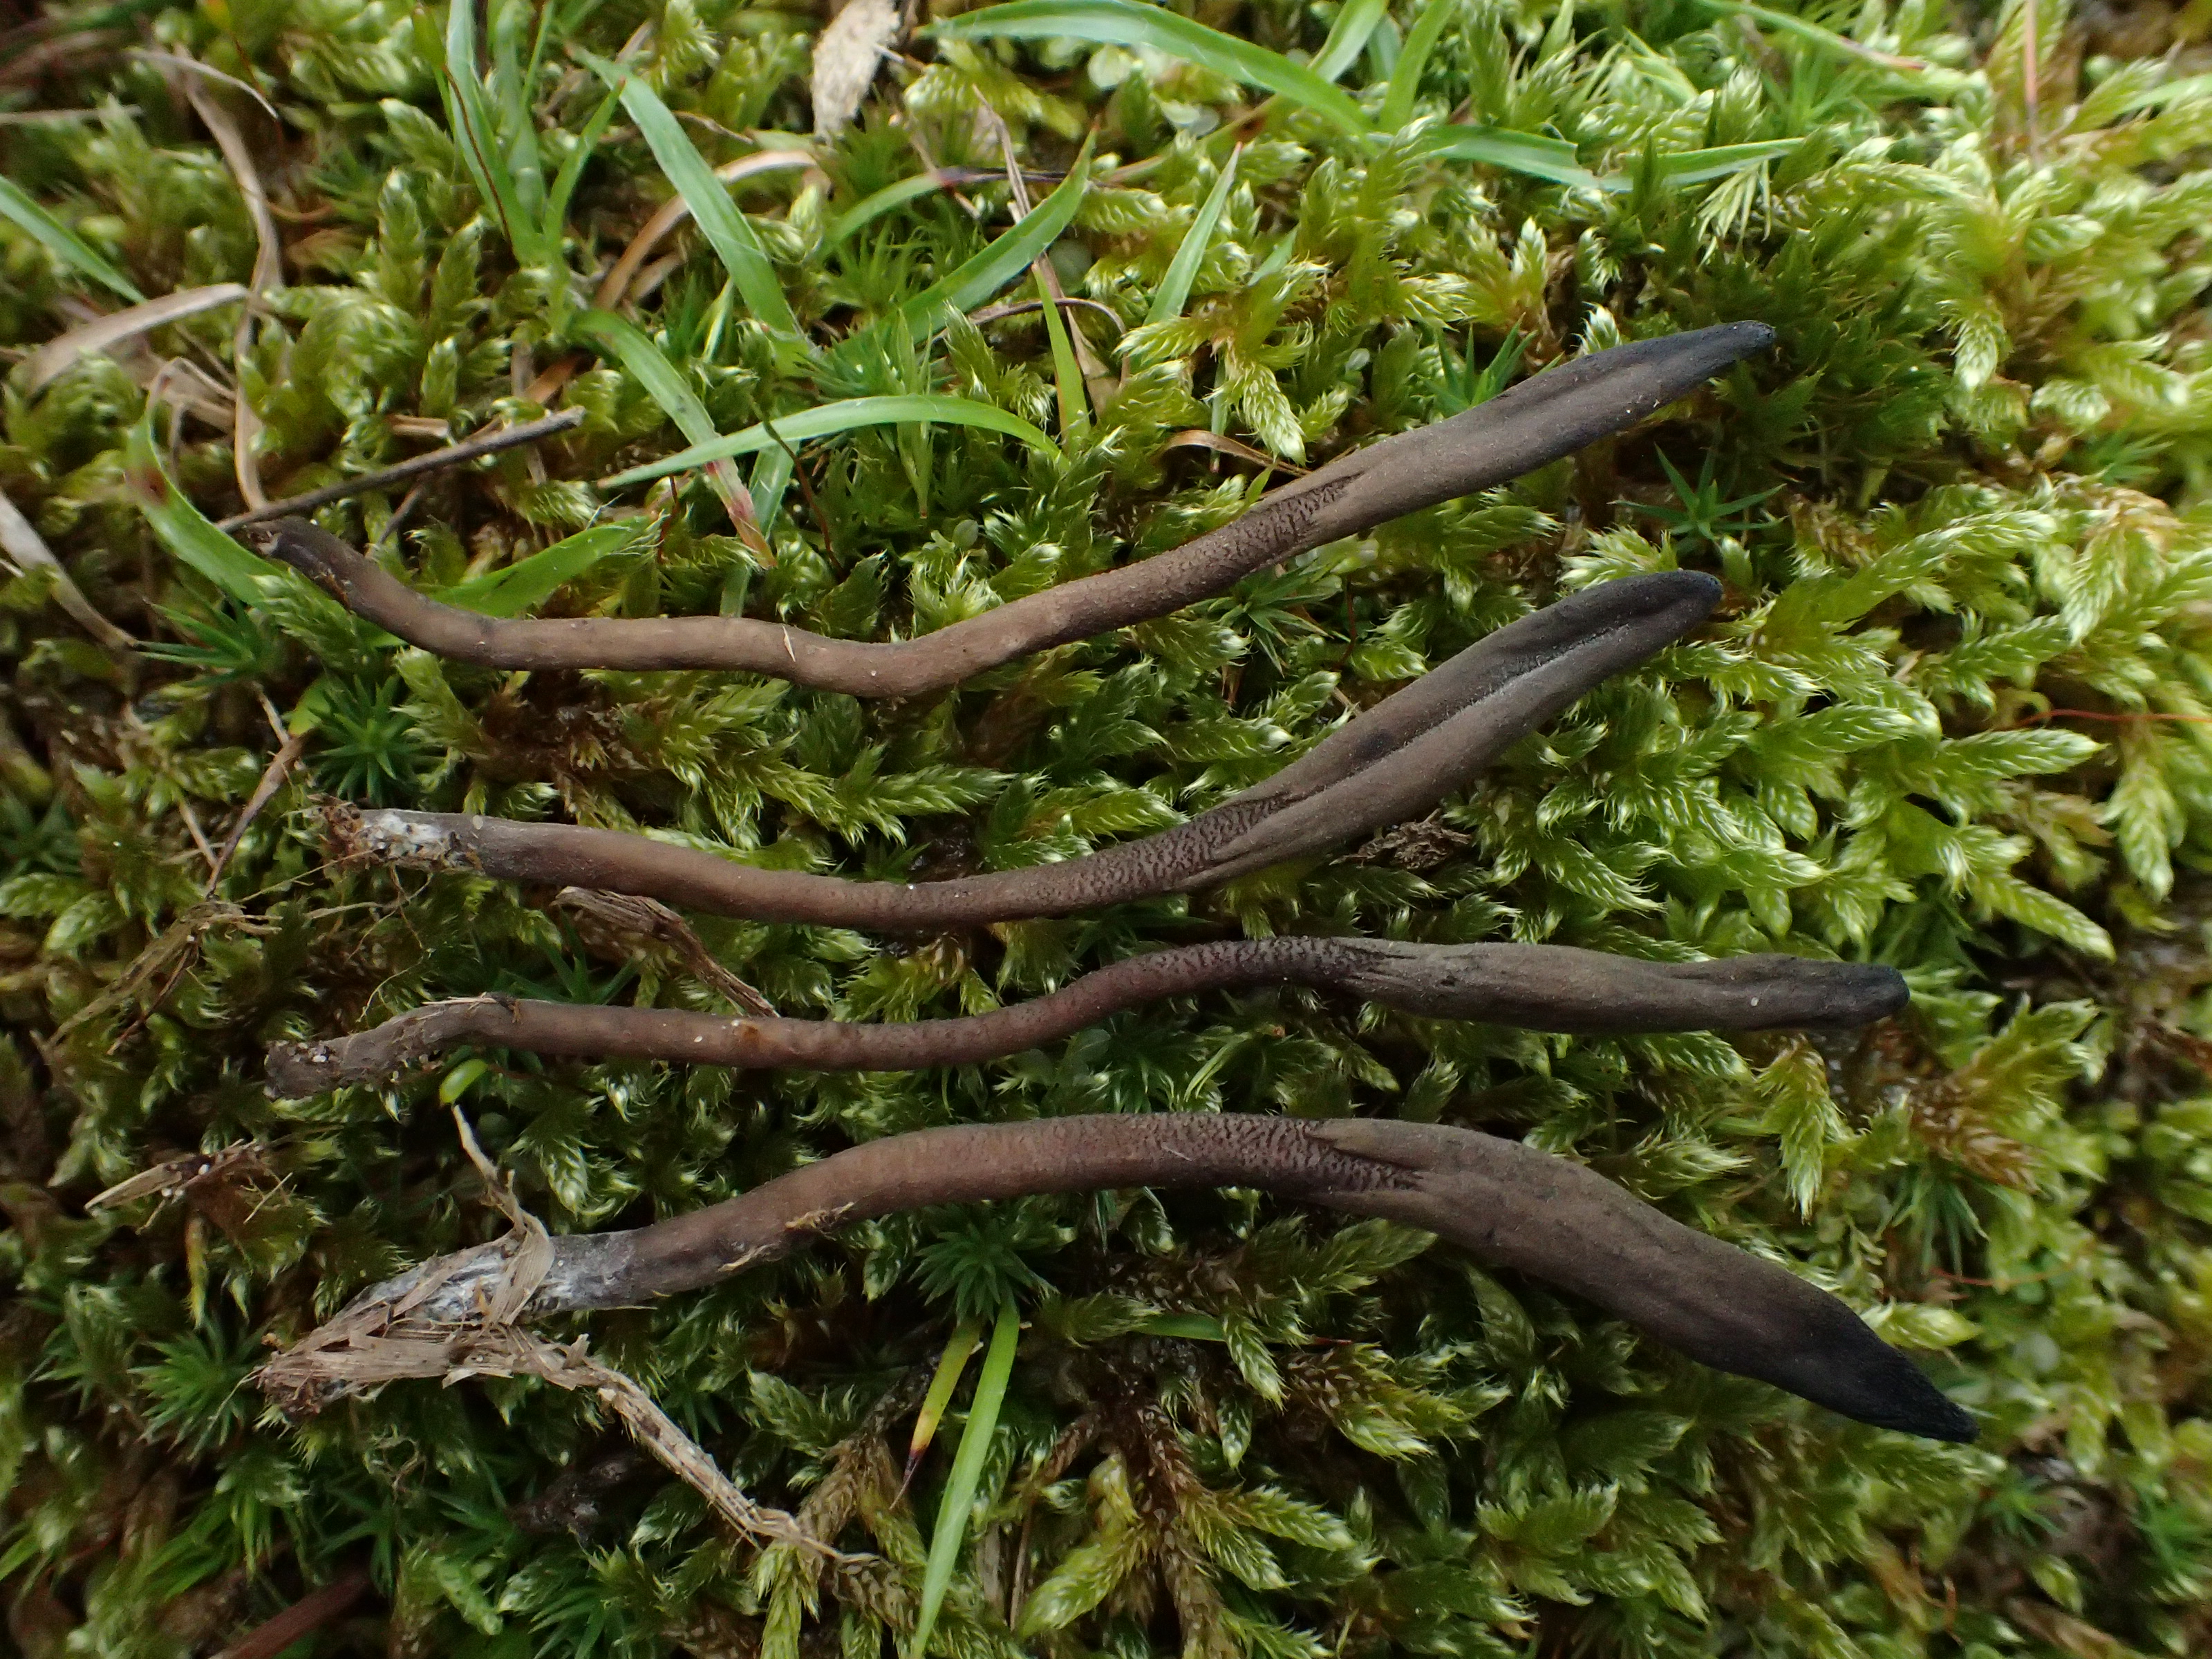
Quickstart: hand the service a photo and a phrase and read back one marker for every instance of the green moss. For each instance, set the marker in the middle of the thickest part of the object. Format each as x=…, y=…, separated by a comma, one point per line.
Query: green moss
x=1956, y=714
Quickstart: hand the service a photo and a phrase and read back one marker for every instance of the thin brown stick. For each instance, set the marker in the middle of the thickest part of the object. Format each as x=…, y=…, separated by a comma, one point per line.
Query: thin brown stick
x=1542, y=988
x=400, y=514
x=1509, y=1205
x=303, y=1618
x=1540, y=419
x=1020, y=307
x=2119, y=717
x=272, y=779
x=438, y=460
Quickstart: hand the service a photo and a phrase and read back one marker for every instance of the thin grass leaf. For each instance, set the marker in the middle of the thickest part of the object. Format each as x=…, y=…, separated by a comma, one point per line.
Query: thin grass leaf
x=959, y=1500
x=1066, y=372
x=58, y=239
x=1174, y=293
x=888, y=199
x=518, y=125
x=529, y=582
x=933, y=408
x=651, y=368
x=1413, y=59
x=1827, y=39
x=1002, y=262
x=733, y=239
x=1698, y=167
x=1123, y=23
x=469, y=117
x=572, y=170
x=771, y=477
x=961, y=1346
x=184, y=529
x=1529, y=153
x=1348, y=37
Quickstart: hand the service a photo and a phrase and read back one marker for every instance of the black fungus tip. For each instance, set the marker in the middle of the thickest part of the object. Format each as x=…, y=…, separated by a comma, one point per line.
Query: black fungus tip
x=1867, y=991
x=1696, y=586
x=1751, y=337
x=1911, y=1404
x=1840, y=1362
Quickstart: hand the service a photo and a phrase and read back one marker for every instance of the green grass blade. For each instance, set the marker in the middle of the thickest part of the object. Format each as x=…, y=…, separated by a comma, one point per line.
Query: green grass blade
x=888, y=199
x=1125, y=23
x=1699, y=167
x=771, y=477
x=717, y=216
x=530, y=582
x=58, y=239
x=1174, y=292
x=651, y=368
x=966, y=1338
x=951, y=1528
x=1066, y=372
x=1827, y=39
x=1412, y=58
x=518, y=123
x=1527, y=153
x=935, y=408
x=1003, y=261
x=184, y=529
x=1347, y=37
x=572, y=170
x=469, y=116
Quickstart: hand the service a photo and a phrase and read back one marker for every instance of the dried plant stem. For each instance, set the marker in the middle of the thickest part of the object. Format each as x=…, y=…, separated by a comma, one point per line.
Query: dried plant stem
x=438, y=460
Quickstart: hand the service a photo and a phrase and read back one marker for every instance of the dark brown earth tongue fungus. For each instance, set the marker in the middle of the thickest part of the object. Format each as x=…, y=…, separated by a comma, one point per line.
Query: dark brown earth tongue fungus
x=1508, y=1203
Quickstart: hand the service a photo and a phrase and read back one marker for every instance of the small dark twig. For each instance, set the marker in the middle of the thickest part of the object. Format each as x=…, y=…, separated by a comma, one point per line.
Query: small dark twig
x=2116, y=717
x=400, y=514
x=1019, y=307
x=304, y=1617
x=490, y=443
x=272, y=779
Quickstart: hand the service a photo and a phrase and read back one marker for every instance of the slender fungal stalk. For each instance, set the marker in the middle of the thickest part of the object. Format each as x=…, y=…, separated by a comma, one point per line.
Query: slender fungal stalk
x=1508, y=1204
x=1394, y=762
x=1544, y=987
x=1540, y=419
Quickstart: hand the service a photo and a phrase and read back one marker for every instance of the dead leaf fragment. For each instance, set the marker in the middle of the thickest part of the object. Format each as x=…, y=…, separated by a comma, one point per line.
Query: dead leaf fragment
x=845, y=59
x=101, y=332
